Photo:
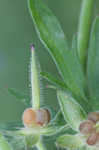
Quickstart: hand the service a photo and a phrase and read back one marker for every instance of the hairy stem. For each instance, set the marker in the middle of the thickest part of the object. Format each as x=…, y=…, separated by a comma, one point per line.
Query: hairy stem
x=84, y=29
x=40, y=146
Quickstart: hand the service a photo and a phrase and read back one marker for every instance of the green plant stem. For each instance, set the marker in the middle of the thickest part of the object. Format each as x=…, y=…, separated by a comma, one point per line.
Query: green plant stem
x=40, y=146
x=84, y=29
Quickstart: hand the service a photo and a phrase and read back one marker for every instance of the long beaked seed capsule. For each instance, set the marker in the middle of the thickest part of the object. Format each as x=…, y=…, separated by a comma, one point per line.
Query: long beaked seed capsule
x=35, y=82
x=38, y=117
x=92, y=139
x=86, y=127
x=93, y=116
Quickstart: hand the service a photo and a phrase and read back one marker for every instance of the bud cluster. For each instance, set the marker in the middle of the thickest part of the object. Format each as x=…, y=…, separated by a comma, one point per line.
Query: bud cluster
x=89, y=129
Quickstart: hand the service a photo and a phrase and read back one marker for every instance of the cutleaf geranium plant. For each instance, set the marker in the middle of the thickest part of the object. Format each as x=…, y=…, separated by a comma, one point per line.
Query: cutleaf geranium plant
x=76, y=125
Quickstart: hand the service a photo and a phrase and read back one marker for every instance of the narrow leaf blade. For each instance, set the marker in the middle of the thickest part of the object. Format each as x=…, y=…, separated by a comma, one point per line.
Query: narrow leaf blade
x=93, y=65
x=53, y=38
x=11, y=126
x=53, y=80
x=20, y=96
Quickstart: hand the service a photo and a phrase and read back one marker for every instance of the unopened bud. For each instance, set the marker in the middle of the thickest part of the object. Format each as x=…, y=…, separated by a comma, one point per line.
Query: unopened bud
x=86, y=127
x=38, y=117
x=93, y=116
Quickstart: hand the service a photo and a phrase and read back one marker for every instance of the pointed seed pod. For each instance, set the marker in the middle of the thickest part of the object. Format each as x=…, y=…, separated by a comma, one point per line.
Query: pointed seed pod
x=93, y=116
x=34, y=77
x=92, y=139
x=86, y=127
x=38, y=117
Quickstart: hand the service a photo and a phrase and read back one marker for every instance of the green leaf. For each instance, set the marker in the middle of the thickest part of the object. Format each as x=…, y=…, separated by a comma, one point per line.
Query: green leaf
x=53, y=129
x=93, y=65
x=69, y=141
x=83, y=148
x=84, y=27
x=53, y=80
x=31, y=140
x=74, y=43
x=72, y=111
x=53, y=38
x=11, y=133
x=58, y=119
x=40, y=145
x=74, y=47
x=57, y=125
x=11, y=126
x=4, y=145
x=20, y=96
x=16, y=142
x=87, y=147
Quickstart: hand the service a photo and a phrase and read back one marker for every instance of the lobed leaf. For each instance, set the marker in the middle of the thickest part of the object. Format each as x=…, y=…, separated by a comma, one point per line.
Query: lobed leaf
x=53, y=38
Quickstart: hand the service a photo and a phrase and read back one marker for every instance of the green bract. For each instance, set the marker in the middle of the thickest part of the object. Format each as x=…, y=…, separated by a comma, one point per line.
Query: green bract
x=72, y=111
x=70, y=141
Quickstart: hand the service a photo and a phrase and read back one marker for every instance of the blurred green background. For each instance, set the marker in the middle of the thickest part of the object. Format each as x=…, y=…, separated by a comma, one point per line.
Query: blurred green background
x=16, y=34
